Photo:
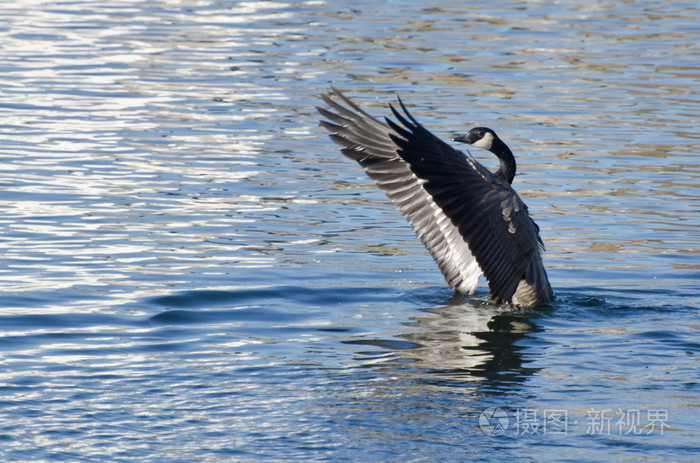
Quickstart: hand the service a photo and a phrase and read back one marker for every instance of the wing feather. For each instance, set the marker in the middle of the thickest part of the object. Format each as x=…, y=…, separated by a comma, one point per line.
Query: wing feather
x=488, y=213
x=369, y=142
x=470, y=220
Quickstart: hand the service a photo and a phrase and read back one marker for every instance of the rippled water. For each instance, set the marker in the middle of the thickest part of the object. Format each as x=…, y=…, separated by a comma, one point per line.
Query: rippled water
x=191, y=271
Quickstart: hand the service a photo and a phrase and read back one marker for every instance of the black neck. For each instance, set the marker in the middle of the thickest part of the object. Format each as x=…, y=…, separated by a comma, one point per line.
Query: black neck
x=507, y=169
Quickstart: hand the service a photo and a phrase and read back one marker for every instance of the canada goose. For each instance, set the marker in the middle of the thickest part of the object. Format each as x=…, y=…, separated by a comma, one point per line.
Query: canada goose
x=469, y=218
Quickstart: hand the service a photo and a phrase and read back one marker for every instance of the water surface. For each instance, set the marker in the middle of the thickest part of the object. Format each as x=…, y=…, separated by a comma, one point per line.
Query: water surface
x=191, y=271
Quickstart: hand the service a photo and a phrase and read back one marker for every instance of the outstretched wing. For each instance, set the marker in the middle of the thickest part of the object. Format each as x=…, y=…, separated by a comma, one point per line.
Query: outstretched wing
x=372, y=144
x=488, y=214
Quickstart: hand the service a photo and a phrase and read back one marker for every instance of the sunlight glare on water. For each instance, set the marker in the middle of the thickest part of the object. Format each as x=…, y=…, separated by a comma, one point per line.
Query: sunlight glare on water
x=191, y=271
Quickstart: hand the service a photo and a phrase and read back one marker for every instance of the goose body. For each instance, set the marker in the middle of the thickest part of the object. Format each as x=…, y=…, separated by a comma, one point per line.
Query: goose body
x=471, y=221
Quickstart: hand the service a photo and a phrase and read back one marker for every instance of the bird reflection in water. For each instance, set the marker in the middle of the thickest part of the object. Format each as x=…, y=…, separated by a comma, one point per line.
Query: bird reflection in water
x=455, y=342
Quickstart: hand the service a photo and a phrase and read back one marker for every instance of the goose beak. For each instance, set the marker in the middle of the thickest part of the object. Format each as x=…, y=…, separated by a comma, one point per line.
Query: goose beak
x=462, y=139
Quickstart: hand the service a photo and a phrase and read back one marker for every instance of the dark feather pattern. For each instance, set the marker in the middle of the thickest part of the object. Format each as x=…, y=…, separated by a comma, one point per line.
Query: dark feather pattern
x=469, y=219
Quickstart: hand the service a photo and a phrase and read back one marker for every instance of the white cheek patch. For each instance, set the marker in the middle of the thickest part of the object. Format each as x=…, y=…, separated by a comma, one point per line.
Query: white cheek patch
x=484, y=142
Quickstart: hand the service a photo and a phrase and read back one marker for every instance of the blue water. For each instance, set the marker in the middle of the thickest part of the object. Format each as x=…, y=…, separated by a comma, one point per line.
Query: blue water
x=191, y=271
